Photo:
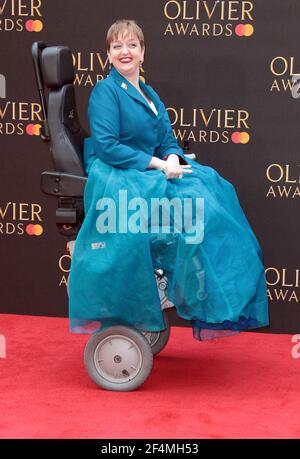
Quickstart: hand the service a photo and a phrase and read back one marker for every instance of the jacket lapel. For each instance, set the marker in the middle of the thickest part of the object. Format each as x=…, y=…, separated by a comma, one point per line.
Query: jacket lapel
x=134, y=93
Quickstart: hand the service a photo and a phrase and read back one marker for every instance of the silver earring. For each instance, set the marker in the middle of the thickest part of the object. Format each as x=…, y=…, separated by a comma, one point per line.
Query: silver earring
x=109, y=66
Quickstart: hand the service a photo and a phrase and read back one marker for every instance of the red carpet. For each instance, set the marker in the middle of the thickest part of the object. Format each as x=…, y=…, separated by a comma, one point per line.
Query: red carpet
x=243, y=386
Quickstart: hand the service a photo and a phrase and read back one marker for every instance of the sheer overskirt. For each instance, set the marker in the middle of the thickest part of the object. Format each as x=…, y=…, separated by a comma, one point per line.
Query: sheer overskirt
x=218, y=282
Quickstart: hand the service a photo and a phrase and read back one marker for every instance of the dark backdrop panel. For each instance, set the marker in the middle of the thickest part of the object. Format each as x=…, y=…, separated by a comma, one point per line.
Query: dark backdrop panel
x=209, y=69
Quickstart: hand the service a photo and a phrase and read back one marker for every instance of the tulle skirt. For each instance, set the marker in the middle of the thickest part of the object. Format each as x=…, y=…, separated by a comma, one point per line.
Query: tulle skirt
x=193, y=229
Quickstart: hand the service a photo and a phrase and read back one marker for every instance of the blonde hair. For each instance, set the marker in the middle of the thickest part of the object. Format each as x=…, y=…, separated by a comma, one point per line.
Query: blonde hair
x=122, y=27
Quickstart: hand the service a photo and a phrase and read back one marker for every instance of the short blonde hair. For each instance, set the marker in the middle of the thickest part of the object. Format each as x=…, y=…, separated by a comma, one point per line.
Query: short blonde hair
x=123, y=26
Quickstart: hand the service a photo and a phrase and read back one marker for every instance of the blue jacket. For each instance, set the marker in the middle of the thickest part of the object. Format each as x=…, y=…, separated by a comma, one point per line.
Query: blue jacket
x=117, y=138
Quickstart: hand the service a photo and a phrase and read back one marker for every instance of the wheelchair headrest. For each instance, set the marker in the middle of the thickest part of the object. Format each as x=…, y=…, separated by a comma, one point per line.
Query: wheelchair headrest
x=57, y=66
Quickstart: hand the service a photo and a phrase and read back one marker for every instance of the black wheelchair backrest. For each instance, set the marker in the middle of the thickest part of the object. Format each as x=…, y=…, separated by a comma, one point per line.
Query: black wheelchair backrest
x=62, y=126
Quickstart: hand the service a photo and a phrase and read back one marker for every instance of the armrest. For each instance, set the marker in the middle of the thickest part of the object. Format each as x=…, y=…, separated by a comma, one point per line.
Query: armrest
x=190, y=155
x=61, y=184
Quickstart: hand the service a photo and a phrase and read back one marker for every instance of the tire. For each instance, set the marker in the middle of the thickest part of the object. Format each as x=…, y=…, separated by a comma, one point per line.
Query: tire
x=118, y=359
x=159, y=340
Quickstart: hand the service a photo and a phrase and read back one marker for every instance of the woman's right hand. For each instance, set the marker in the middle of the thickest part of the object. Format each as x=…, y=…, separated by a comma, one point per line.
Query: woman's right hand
x=170, y=168
x=178, y=171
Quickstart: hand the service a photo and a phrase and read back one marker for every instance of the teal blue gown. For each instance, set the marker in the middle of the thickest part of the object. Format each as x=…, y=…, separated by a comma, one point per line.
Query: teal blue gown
x=217, y=281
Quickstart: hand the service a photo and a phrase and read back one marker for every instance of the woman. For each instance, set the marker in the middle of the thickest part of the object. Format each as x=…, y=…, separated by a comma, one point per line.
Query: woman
x=135, y=167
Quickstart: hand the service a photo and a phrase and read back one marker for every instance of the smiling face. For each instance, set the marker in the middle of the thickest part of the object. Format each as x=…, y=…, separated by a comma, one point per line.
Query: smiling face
x=125, y=54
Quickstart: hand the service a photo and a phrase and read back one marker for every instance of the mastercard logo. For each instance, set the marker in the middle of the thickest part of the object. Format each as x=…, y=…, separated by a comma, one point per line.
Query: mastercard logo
x=34, y=230
x=240, y=137
x=33, y=129
x=33, y=26
x=244, y=30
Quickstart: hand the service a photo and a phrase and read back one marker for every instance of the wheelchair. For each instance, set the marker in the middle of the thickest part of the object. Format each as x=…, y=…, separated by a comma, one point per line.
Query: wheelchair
x=118, y=358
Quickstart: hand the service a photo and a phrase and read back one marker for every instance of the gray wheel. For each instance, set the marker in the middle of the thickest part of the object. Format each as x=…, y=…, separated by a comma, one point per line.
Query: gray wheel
x=159, y=340
x=118, y=359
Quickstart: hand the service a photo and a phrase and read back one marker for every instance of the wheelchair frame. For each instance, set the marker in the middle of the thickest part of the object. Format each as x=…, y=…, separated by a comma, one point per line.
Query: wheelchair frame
x=118, y=358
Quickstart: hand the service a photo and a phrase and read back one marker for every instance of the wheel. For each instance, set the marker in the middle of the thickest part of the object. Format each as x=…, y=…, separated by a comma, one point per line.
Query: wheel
x=159, y=340
x=118, y=359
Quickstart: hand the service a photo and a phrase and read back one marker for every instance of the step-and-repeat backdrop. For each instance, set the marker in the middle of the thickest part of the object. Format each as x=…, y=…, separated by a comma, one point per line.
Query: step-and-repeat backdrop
x=226, y=71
